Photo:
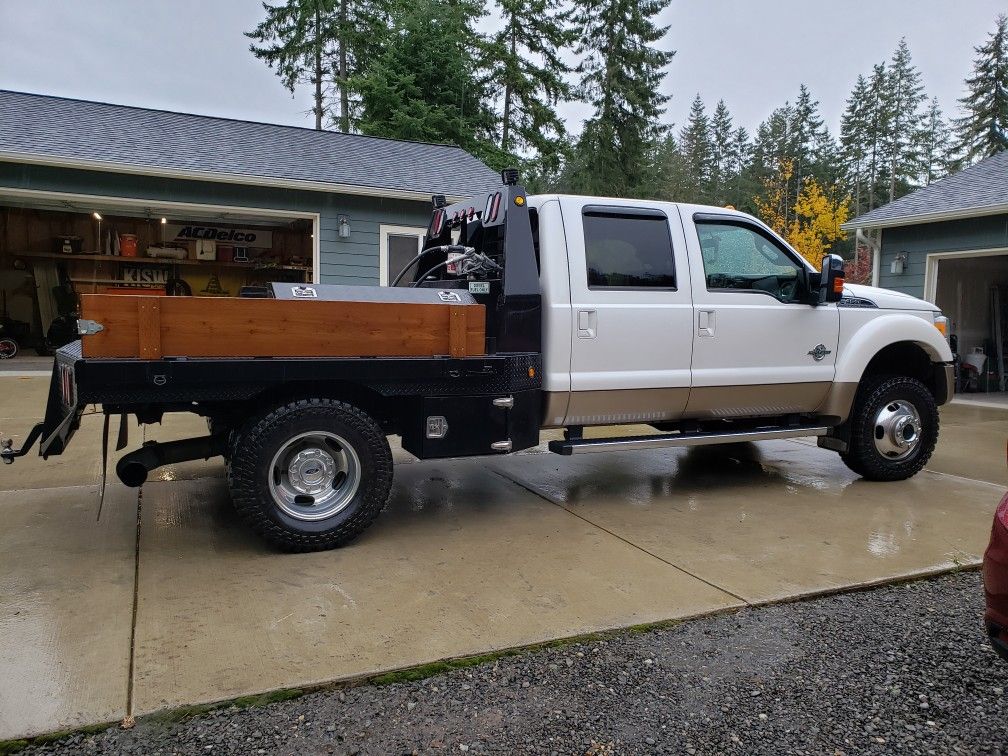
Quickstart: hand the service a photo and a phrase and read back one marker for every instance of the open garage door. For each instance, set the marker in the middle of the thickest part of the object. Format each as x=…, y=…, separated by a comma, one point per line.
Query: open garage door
x=972, y=289
x=54, y=247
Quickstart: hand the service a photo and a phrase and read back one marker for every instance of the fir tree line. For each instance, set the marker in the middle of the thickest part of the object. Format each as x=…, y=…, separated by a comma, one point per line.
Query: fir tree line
x=425, y=70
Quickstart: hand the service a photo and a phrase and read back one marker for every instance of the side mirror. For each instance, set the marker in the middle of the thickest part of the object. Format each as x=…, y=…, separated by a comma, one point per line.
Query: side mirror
x=832, y=279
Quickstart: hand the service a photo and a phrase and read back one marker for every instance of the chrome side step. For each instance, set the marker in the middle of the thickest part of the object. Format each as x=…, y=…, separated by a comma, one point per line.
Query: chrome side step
x=623, y=443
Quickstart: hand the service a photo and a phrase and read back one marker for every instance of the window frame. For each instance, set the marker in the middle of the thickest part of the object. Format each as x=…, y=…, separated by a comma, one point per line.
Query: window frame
x=802, y=264
x=384, y=232
x=628, y=212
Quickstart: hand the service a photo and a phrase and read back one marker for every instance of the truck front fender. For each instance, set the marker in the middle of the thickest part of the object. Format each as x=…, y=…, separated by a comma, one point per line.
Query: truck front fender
x=870, y=338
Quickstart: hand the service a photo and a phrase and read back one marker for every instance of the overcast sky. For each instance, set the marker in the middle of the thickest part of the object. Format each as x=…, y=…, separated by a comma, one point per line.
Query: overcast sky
x=190, y=55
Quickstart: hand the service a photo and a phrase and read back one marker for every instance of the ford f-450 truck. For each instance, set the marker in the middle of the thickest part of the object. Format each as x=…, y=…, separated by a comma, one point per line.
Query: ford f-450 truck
x=521, y=313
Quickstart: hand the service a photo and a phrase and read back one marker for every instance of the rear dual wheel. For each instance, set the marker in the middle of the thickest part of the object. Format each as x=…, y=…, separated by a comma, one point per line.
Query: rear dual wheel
x=310, y=475
x=893, y=428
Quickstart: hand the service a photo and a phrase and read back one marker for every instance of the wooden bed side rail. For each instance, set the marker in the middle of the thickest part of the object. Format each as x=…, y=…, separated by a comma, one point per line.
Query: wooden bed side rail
x=151, y=327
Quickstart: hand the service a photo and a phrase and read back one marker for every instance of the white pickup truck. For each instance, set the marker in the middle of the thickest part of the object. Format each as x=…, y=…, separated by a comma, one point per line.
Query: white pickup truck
x=697, y=321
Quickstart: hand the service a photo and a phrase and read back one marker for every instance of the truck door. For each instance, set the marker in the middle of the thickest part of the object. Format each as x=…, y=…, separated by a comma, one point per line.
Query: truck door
x=759, y=347
x=631, y=312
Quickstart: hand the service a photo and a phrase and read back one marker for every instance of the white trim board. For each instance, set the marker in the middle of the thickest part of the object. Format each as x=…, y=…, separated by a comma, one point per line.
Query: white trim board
x=384, y=231
x=934, y=259
x=101, y=199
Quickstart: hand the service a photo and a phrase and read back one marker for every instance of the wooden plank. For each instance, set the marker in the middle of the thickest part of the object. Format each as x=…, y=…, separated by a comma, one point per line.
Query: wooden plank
x=457, y=330
x=149, y=327
x=235, y=327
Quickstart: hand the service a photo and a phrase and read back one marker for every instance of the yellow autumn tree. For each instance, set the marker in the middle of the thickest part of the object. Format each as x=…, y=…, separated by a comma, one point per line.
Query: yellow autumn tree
x=774, y=204
x=816, y=224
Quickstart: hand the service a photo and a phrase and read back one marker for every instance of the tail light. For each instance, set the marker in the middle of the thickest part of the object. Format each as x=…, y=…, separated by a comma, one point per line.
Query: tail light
x=68, y=391
x=437, y=223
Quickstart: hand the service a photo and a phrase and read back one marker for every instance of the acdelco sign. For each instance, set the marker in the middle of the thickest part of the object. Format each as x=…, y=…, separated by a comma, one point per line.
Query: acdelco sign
x=238, y=237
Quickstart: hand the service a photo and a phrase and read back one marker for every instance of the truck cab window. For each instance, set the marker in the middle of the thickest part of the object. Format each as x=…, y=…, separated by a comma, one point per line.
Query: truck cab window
x=628, y=251
x=738, y=258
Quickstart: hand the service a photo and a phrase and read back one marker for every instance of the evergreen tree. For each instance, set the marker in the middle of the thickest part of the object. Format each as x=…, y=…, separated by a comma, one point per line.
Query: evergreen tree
x=878, y=120
x=722, y=154
x=983, y=130
x=423, y=83
x=934, y=140
x=808, y=139
x=697, y=152
x=297, y=38
x=621, y=76
x=854, y=147
x=529, y=67
x=741, y=187
x=904, y=95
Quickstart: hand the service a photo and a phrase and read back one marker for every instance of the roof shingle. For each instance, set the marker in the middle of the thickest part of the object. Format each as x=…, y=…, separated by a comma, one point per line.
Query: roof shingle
x=976, y=190
x=41, y=126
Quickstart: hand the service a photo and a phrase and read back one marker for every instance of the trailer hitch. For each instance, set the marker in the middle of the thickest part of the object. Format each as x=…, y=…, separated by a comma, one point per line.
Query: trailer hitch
x=9, y=453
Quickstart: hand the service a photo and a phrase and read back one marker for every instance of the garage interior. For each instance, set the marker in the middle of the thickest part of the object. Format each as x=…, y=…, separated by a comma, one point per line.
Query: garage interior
x=973, y=293
x=52, y=250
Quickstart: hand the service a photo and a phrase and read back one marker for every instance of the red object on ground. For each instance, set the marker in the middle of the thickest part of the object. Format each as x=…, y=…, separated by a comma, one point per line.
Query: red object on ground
x=995, y=579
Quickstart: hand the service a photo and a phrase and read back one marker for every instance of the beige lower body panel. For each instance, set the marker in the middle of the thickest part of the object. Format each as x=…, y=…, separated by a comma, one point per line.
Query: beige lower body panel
x=669, y=404
x=760, y=400
x=616, y=407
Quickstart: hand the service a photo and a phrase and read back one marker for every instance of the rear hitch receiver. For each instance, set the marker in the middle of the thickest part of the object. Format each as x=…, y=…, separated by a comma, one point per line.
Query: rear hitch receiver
x=7, y=451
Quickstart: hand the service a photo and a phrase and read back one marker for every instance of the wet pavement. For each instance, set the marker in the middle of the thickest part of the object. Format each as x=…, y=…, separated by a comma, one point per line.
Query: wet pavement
x=470, y=556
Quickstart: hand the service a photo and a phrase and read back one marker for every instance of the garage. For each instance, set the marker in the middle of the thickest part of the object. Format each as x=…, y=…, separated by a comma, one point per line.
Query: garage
x=113, y=199
x=972, y=289
x=948, y=243
x=54, y=248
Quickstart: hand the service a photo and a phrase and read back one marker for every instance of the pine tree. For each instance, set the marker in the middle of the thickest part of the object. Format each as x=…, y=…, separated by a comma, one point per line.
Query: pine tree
x=934, y=139
x=298, y=38
x=527, y=57
x=983, y=130
x=878, y=120
x=809, y=139
x=423, y=83
x=904, y=95
x=854, y=150
x=622, y=70
x=697, y=153
x=722, y=154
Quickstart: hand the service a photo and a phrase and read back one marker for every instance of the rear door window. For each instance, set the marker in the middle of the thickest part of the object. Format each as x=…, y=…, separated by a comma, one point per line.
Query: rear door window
x=628, y=249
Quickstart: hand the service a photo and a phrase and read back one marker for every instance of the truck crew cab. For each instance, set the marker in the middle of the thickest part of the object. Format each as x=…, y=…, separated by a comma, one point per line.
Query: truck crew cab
x=698, y=321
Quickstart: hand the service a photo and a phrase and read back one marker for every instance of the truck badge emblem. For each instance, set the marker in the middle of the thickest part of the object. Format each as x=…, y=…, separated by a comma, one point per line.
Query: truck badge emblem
x=449, y=296
x=819, y=352
x=304, y=292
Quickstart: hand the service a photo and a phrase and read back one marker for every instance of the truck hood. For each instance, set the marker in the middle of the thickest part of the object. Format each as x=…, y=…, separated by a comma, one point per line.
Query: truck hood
x=886, y=299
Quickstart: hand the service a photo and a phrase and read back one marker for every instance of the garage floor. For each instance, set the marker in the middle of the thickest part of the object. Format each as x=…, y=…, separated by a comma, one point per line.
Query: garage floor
x=104, y=616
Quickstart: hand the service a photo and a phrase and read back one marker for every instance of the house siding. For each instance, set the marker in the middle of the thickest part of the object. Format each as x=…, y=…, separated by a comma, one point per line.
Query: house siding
x=348, y=261
x=918, y=241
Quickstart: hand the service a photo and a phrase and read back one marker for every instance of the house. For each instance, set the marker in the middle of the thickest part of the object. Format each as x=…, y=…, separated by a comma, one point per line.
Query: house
x=948, y=243
x=112, y=198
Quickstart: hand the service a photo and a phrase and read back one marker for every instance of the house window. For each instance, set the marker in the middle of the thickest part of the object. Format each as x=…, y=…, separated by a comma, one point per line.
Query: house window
x=397, y=246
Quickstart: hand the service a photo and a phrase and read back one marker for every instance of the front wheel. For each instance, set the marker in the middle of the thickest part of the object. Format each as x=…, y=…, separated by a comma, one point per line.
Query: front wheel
x=310, y=475
x=893, y=429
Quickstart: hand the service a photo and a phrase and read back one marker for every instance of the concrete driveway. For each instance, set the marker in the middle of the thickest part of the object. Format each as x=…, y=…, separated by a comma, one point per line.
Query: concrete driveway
x=165, y=600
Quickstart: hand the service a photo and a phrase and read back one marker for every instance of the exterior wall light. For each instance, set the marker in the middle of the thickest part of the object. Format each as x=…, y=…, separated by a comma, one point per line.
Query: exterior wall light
x=344, y=227
x=899, y=264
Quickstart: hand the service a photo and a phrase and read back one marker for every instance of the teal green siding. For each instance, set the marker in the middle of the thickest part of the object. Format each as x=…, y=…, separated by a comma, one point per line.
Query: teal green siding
x=353, y=260
x=990, y=232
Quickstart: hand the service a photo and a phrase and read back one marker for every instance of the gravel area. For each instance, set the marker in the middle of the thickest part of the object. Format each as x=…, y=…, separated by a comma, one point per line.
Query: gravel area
x=902, y=669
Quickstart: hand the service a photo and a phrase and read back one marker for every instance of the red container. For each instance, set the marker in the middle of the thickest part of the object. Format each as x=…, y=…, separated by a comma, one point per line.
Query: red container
x=128, y=245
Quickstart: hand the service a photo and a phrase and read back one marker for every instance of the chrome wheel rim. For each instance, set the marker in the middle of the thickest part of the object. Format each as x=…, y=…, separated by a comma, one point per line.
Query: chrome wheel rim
x=314, y=475
x=897, y=430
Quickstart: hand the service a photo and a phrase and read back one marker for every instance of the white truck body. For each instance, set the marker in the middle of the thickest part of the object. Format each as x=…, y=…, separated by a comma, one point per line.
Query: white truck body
x=692, y=351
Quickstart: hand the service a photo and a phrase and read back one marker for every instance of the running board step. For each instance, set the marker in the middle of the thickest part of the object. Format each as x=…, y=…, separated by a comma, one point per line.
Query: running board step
x=623, y=443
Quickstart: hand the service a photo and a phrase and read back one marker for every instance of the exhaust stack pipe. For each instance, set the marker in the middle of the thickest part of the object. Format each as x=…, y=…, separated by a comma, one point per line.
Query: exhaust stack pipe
x=133, y=468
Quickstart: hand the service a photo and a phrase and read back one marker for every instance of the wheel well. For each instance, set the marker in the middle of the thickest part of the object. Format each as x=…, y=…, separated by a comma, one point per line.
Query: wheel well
x=910, y=359
x=383, y=409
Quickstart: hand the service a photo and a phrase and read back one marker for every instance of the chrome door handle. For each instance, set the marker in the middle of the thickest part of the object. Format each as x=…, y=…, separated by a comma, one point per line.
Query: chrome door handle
x=587, y=324
x=706, y=322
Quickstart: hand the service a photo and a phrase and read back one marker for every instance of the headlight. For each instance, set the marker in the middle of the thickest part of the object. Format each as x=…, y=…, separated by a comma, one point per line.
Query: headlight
x=941, y=323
